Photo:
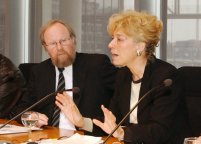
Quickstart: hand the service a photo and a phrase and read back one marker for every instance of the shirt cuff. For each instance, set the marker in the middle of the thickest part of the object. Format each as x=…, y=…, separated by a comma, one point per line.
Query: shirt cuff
x=88, y=125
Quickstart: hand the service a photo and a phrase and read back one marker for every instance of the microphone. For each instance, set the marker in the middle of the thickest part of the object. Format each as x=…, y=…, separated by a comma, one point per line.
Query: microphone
x=74, y=90
x=166, y=83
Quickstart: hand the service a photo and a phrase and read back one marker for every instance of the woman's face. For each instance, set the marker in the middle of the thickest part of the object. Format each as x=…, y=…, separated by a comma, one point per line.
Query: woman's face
x=123, y=49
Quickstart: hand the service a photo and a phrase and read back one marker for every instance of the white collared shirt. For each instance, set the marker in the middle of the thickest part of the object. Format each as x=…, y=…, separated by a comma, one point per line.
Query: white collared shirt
x=135, y=90
x=64, y=123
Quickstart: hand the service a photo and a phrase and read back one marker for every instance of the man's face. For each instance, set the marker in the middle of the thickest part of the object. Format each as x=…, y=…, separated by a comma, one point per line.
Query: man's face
x=59, y=45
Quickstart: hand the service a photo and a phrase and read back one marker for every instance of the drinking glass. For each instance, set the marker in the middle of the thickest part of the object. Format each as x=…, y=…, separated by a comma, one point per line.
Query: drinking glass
x=29, y=120
x=192, y=140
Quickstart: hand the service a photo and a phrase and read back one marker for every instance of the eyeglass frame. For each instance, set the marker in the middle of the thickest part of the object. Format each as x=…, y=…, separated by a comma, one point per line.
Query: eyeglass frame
x=62, y=42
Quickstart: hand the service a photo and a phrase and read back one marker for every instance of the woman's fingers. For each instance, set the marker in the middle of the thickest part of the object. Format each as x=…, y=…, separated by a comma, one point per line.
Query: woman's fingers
x=98, y=123
x=108, y=114
x=69, y=108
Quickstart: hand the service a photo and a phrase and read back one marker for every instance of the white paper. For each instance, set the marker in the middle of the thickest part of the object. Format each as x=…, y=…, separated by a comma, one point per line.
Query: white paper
x=11, y=129
x=75, y=139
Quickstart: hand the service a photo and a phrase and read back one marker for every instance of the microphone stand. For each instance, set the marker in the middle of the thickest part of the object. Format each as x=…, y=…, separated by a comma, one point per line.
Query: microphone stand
x=74, y=90
x=104, y=142
x=27, y=109
x=166, y=83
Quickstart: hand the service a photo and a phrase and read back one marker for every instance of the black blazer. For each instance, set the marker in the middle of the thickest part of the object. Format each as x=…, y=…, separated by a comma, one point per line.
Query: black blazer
x=92, y=73
x=160, y=116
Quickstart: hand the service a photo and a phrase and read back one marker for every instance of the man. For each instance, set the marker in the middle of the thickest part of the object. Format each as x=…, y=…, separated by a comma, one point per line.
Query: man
x=92, y=73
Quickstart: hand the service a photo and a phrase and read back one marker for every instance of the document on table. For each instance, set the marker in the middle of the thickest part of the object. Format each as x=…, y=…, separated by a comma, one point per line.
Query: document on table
x=74, y=139
x=11, y=129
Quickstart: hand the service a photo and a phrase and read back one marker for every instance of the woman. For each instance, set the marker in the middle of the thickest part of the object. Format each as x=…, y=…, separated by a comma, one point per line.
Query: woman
x=158, y=117
x=11, y=82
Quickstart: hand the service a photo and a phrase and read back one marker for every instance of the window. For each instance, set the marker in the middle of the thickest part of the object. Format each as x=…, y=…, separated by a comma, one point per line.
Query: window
x=2, y=27
x=184, y=32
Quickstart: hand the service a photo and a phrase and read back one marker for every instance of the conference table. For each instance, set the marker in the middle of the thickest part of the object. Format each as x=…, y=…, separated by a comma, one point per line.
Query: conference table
x=47, y=132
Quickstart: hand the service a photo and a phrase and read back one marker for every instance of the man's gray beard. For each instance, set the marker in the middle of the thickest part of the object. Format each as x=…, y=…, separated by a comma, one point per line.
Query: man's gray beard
x=61, y=63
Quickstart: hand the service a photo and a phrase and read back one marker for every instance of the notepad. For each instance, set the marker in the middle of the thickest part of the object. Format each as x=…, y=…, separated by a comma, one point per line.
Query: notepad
x=74, y=139
x=11, y=129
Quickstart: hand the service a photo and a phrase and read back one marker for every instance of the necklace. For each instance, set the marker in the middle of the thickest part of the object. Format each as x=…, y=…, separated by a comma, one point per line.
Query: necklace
x=137, y=81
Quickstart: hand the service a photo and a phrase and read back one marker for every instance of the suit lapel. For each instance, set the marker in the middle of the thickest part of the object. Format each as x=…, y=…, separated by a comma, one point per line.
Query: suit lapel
x=145, y=87
x=79, y=75
x=51, y=79
x=126, y=93
x=127, y=99
x=48, y=81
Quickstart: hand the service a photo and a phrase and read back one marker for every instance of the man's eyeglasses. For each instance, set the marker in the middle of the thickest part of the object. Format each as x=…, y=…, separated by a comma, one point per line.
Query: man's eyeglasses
x=63, y=42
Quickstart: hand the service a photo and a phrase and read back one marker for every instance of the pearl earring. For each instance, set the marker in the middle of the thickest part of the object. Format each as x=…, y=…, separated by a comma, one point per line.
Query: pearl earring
x=139, y=53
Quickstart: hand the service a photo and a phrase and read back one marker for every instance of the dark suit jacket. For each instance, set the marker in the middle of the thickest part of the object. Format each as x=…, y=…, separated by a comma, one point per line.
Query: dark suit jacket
x=92, y=73
x=160, y=116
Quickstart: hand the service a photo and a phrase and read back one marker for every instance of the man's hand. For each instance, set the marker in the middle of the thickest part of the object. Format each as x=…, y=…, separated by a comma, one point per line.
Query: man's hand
x=70, y=110
x=42, y=120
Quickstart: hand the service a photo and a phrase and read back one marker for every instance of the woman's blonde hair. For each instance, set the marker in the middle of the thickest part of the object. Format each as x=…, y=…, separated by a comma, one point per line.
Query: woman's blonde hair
x=51, y=23
x=141, y=26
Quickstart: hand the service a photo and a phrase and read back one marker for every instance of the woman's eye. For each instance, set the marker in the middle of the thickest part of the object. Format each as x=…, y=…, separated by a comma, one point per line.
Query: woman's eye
x=119, y=39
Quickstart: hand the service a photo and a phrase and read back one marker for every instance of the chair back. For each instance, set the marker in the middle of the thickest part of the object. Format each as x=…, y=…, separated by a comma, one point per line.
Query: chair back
x=25, y=69
x=192, y=92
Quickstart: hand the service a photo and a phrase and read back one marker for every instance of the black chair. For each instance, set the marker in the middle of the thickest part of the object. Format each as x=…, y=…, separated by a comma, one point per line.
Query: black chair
x=192, y=92
x=25, y=69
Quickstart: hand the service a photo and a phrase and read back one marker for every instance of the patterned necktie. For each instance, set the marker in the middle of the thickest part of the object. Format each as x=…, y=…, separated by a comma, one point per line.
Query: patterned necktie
x=60, y=87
